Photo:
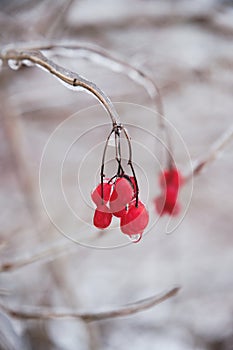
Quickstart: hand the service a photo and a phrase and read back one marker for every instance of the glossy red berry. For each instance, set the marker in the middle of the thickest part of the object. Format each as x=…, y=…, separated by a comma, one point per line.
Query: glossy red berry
x=135, y=220
x=121, y=195
x=102, y=217
x=96, y=194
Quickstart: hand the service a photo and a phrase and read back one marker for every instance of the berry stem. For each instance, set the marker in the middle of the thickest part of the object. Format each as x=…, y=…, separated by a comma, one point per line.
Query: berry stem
x=102, y=175
x=130, y=163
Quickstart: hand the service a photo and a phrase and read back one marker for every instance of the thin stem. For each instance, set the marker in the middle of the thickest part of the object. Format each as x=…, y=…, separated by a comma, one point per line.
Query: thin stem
x=130, y=163
x=129, y=144
x=125, y=310
x=102, y=175
x=116, y=147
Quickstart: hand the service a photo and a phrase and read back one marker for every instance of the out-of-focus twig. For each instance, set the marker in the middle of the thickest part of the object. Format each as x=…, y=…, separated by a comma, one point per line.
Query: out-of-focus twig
x=46, y=255
x=125, y=310
x=4, y=291
x=9, y=338
x=214, y=151
x=49, y=254
x=14, y=134
x=54, y=23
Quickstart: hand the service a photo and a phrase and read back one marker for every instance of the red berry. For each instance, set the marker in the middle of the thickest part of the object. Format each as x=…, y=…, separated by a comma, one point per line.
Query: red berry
x=171, y=194
x=170, y=181
x=167, y=203
x=171, y=177
x=102, y=217
x=96, y=194
x=135, y=220
x=121, y=195
x=120, y=213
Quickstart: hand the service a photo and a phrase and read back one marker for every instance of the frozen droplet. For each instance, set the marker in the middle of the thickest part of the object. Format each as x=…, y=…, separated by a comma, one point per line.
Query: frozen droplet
x=28, y=63
x=14, y=64
x=1, y=63
x=135, y=238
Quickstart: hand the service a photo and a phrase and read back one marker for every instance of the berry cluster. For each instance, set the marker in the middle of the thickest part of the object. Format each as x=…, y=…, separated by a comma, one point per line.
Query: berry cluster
x=120, y=198
x=170, y=181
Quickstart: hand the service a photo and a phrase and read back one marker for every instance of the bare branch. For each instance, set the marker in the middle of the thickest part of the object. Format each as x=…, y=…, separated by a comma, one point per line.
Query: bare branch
x=103, y=57
x=70, y=79
x=48, y=254
x=125, y=310
x=100, y=56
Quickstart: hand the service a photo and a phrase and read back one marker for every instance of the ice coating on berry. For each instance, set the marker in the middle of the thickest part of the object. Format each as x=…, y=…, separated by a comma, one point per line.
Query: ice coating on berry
x=124, y=189
x=135, y=220
x=102, y=217
x=135, y=238
x=96, y=194
x=121, y=195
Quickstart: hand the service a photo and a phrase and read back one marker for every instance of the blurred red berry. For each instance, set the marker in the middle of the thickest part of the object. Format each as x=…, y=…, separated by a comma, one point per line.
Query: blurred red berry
x=171, y=177
x=166, y=207
x=170, y=181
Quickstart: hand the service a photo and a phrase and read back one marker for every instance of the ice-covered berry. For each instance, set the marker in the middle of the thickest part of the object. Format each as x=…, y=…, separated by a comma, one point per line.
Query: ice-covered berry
x=135, y=220
x=122, y=194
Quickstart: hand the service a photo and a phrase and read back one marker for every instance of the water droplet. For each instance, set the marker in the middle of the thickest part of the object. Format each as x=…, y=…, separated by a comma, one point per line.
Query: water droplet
x=14, y=64
x=135, y=238
x=28, y=63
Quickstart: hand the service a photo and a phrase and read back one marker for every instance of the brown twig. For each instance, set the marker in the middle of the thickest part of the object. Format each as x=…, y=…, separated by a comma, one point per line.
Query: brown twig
x=14, y=133
x=125, y=310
